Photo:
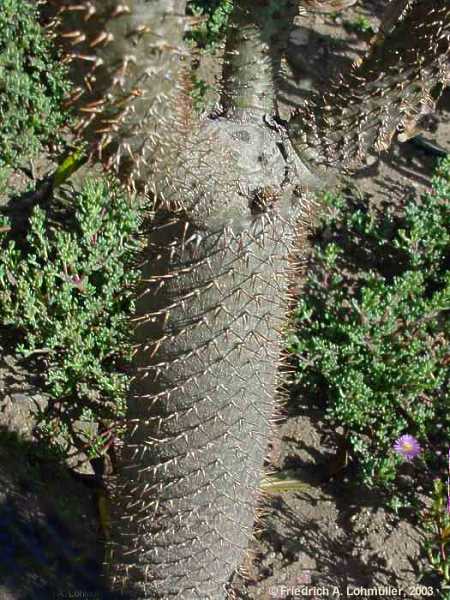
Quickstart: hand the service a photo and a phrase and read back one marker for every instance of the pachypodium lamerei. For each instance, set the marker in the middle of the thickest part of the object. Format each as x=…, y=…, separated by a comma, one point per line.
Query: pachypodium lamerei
x=228, y=195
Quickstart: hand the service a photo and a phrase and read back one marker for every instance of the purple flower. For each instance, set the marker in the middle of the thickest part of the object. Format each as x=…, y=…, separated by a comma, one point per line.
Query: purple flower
x=407, y=446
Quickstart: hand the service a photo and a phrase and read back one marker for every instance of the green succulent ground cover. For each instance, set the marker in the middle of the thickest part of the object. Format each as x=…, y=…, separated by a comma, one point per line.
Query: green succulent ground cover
x=360, y=24
x=206, y=36
x=66, y=281
x=209, y=32
x=372, y=333
x=68, y=292
x=32, y=85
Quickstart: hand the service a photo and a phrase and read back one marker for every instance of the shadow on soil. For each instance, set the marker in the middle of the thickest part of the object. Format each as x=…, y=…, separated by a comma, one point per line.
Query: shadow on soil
x=50, y=542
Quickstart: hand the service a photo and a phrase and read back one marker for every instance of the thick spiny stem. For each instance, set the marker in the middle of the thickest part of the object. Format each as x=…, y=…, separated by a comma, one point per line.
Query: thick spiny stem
x=211, y=303
x=125, y=60
x=257, y=36
x=200, y=408
x=399, y=79
x=211, y=306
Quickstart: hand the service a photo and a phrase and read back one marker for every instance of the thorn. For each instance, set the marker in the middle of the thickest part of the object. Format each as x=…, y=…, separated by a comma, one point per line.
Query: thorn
x=103, y=37
x=140, y=30
x=90, y=109
x=90, y=11
x=88, y=58
x=119, y=10
x=73, y=35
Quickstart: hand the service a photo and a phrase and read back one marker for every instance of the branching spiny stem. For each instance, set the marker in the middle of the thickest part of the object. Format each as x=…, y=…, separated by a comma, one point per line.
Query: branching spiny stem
x=258, y=33
x=209, y=309
x=400, y=78
x=125, y=60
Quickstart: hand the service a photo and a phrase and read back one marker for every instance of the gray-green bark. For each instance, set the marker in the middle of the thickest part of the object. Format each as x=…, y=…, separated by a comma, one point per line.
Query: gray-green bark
x=256, y=39
x=201, y=405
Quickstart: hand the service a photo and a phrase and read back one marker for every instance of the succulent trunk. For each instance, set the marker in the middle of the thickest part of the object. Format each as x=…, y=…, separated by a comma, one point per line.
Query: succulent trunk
x=212, y=301
x=208, y=328
x=257, y=34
